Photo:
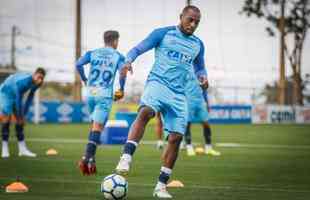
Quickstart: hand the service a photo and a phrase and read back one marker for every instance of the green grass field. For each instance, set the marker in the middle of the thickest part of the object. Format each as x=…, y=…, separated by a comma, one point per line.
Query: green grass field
x=269, y=162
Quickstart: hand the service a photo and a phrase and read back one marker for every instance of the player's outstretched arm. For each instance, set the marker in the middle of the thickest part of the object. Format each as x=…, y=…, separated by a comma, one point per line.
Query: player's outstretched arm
x=80, y=65
x=151, y=41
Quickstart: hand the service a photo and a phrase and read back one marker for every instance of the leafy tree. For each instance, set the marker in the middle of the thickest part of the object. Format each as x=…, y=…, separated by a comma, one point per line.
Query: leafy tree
x=291, y=18
x=270, y=91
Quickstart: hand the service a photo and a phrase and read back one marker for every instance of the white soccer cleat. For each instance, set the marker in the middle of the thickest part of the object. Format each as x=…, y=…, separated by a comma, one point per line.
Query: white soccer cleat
x=160, y=144
x=182, y=146
x=190, y=150
x=161, y=193
x=5, y=150
x=27, y=153
x=123, y=165
x=24, y=151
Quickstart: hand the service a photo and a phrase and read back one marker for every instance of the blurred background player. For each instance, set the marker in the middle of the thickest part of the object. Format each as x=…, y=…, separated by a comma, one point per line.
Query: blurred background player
x=198, y=113
x=159, y=131
x=104, y=62
x=177, y=53
x=12, y=91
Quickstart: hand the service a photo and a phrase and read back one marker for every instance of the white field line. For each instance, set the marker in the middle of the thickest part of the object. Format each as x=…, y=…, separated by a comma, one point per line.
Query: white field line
x=150, y=142
x=276, y=146
x=193, y=165
x=246, y=188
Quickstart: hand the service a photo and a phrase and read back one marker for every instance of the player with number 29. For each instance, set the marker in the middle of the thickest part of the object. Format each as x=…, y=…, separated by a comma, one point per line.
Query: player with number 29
x=104, y=64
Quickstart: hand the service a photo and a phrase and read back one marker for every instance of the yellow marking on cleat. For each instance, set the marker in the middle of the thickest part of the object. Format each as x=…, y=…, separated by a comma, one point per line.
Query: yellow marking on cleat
x=212, y=152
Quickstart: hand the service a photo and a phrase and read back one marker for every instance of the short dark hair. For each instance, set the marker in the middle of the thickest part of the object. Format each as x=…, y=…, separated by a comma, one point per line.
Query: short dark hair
x=190, y=7
x=110, y=36
x=40, y=70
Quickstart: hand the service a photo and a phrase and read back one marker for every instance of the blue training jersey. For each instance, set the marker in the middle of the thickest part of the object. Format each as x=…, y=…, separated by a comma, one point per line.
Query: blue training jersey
x=14, y=88
x=104, y=62
x=176, y=56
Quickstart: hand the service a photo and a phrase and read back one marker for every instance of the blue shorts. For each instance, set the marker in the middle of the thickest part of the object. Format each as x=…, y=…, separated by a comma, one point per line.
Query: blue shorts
x=99, y=109
x=172, y=106
x=197, y=111
x=6, y=105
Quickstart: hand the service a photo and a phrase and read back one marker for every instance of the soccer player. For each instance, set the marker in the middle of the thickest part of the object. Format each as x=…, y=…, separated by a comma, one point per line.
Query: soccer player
x=177, y=53
x=198, y=112
x=104, y=63
x=12, y=91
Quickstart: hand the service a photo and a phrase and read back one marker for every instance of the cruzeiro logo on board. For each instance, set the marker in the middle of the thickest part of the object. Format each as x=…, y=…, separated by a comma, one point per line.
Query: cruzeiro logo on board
x=65, y=110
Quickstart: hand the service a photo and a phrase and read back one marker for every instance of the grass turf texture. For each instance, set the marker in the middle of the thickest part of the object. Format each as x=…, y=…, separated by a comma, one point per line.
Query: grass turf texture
x=274, y=165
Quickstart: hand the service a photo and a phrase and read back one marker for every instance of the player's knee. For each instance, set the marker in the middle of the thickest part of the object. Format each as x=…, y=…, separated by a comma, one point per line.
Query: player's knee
x=5, y=119
x=20, y=122
x=175, y=138
x=97, y=127
x=206, y=124
x=5, y=127
x=146, y=113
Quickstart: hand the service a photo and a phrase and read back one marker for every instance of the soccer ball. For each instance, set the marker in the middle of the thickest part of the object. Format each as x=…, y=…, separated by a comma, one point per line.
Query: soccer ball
x=114, y=187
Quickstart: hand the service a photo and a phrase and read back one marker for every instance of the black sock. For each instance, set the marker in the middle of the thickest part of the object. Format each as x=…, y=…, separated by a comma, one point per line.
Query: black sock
x=188, y=134
x=164, y=175
x=207, y=134
x=130, y=147
x=93, y=140
x=20, y=132
x=5, y=130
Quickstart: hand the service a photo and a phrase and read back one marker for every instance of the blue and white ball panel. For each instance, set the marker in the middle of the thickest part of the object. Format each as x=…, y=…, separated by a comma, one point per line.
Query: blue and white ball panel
x=172, y=106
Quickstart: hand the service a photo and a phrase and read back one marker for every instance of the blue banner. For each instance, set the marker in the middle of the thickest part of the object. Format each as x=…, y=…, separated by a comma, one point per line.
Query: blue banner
x=71, y=112
x=61, y=112
x=230, y=114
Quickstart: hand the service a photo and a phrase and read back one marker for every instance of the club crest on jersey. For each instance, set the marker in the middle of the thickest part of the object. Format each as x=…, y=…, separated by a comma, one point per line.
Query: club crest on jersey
x=178, y=56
